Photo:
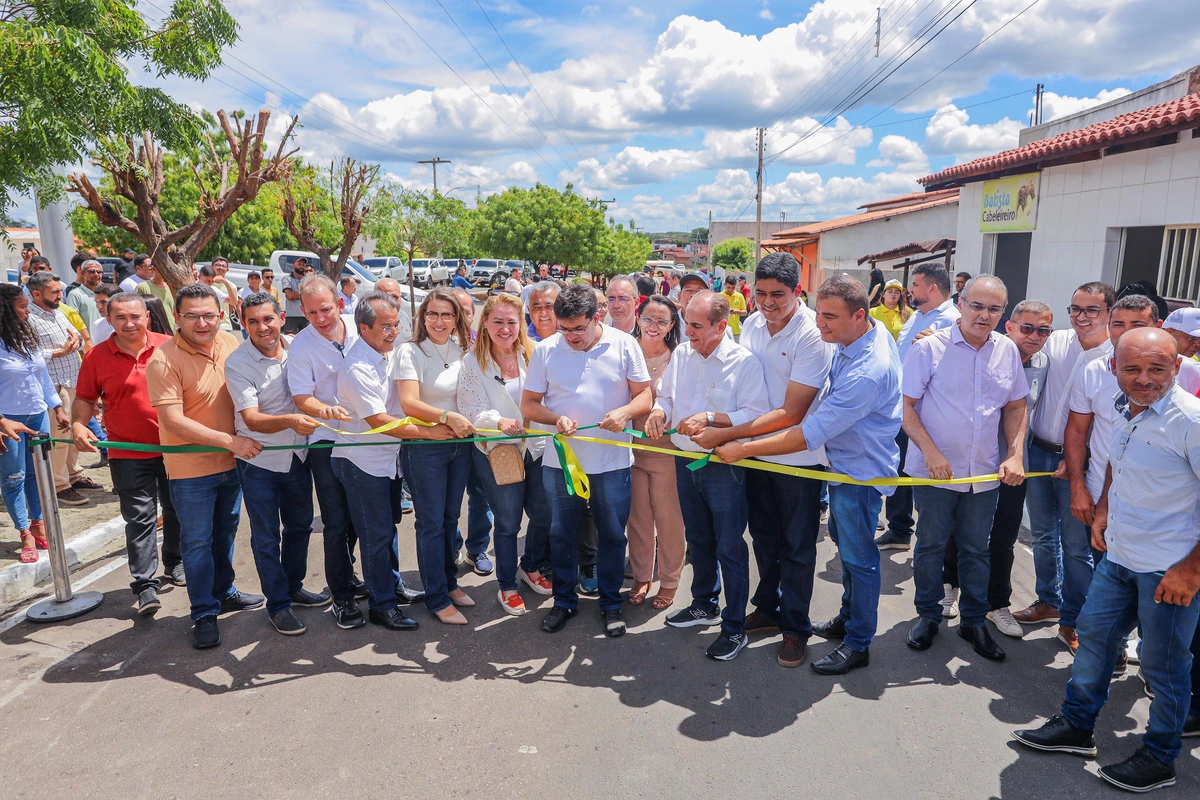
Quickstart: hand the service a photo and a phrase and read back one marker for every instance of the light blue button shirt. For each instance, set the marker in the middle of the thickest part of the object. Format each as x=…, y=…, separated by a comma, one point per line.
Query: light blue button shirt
x=941, y=317
x=1152, y=503
x=25, y=386
x=861, y=409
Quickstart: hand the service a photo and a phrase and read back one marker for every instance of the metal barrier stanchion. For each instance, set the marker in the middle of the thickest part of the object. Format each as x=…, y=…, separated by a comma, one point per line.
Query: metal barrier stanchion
x=65, y=604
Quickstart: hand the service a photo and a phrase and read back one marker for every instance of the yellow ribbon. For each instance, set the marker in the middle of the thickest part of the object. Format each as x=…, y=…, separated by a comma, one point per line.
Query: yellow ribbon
x=384, y=428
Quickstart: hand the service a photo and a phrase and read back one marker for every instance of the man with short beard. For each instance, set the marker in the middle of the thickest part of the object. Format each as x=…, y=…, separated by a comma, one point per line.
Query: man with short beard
x=1144, y=522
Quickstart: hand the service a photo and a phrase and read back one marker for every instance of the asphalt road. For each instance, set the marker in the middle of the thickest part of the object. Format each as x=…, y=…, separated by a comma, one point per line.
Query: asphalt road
x=113, y=706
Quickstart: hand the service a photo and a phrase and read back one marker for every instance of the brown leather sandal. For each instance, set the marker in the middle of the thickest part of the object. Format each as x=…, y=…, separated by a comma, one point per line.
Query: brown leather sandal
x=637, y=595
x=663, y=599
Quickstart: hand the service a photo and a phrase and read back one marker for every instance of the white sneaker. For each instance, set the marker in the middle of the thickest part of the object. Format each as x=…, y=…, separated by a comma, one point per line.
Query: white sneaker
x=950, y=602
x=825, y=515
x=1131, y=651
x=1002, y=618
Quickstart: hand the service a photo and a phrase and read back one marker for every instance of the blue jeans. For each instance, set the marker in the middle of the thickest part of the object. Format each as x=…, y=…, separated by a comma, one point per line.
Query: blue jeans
x=900, y=503
x=480, y=516
x=337, y=530
x=509, y=503
x=1062, y=549
x=208, y=508
x=437, y=477
x=537, y=509
x=612, y=493
x=715, y=511
x=853, y=511
x=374, y=507
x=94, y=426
x=968, y=515
x=18, y=484
x=272, y=497
x=1118, y=600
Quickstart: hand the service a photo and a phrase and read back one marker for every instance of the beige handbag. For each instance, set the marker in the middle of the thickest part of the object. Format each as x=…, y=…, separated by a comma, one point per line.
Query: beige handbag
x=508, y=464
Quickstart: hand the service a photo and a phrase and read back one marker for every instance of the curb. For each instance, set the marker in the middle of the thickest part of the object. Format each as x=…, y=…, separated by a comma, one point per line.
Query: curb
x=18, y=580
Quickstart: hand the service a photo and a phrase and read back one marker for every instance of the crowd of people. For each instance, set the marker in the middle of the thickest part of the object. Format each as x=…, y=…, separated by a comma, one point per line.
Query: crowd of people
x=638, y=381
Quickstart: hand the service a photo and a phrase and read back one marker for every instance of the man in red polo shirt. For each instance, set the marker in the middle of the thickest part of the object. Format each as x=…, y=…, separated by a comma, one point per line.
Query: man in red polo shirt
x=115, y=371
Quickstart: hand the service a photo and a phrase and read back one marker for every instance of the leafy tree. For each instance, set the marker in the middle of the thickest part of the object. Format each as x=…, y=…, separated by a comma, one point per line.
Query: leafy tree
x=734, y=254
x=419, y=223
x=326, y=210
x=629, y=251
x=700, y=234
x=64, y=81
x=544, y=225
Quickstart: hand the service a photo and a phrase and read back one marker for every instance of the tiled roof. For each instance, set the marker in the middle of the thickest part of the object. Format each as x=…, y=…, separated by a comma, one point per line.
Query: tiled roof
x=906, y=204
x=1184, y=112
x=915, y=248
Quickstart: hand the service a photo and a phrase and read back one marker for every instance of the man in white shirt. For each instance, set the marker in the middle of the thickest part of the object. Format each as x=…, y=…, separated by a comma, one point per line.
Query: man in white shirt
x=514, y=284
x=933, y=311
x=276, y=485
x=348, y=298
x=1062, y=556
x=370, y=475
x=622, y=298
x=253, y=285
x=711, y=382
x=584, y=374
x=143, y=268
x=786, y=517
x=102, y=328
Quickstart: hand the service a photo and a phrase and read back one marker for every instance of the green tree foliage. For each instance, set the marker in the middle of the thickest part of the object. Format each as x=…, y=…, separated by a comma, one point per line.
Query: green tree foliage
x=629, y=251
x=544, y=225
x=64, y=82
x=734, y=254
x=325, y=209
x=416, y=224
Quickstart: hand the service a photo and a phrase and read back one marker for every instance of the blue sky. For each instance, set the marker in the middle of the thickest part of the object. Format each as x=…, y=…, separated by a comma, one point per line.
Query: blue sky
x=655, y=103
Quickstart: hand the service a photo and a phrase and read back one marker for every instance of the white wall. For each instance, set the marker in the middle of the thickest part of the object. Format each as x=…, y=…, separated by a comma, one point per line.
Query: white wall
x=840, y=249
x=1079, y=204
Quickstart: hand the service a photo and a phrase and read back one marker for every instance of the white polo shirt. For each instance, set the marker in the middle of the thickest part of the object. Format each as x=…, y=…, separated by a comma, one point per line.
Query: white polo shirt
x=797, y=354
x=1067, y=360
x=366, y=389
x=256, y=381
x=1094, y=392
x=312, y=368
x=586, y=385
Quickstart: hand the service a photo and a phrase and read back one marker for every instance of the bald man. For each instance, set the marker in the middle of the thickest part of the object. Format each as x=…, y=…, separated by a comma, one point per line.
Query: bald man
x=391, y=288
x=1145, y=524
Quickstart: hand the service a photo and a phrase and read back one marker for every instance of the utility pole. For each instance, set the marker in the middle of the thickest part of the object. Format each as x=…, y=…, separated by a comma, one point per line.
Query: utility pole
x=435, y=161
x=878, y=20
x=1037, y=106
x=758, y=200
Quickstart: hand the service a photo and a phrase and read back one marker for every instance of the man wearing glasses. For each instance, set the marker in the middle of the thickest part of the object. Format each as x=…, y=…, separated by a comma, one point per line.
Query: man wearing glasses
x=1062, y=555
x=962, y=386
x=622, y=304
x=186, y=379
x=82, y=297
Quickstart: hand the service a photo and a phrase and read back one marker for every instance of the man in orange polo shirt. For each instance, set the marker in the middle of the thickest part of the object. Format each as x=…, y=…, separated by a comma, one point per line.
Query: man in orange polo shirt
x=186, y=378
x=115, y=371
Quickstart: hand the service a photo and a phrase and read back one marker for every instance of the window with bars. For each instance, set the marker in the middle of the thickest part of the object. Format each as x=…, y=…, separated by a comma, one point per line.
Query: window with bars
x=1179, y=270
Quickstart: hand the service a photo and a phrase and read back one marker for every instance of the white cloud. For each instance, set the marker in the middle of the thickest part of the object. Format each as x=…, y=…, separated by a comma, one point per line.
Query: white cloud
x=949, y=132
x=897, y=151
x=1055, y=106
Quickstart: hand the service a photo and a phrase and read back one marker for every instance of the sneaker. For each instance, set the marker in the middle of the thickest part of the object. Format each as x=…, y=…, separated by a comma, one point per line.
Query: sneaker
x=556, y=620
x=86, y=483
x=70, y=497
x=588, y=585
x=727, y=646
x=692, y=616
x=1067, y=635
x=1141, y=772
x=1038, y=612
x=241, y=601
x=538, y=584
x=614, y=626
x=949, y=602
x=347, y=615
x=1131, y=651
x=406, y=506
x=513, y=605
x=148, y=603
x=1191, y=725
x=893, y=541
x=481, y=564
x=205, y=634
x=459, y=558
x=1058, y=735
x=1121, y=666
x=758, y=622
x=176, y=575
x=360, y=589
x=306, y=599
x=287, y=623
x=1147, y=689
x=791, y=652
x=1002, y=618
x=824, y=514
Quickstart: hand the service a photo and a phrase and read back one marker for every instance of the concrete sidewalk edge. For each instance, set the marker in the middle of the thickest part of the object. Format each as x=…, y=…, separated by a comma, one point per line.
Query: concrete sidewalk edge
x=20, y=580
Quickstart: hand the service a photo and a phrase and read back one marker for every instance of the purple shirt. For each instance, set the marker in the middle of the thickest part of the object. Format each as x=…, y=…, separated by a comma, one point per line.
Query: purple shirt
x=960, y=394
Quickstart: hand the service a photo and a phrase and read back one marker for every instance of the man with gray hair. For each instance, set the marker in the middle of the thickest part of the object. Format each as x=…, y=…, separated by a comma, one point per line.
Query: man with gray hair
x=622, y=297
x=960, y=384
x=82, y=297
x=540, y=310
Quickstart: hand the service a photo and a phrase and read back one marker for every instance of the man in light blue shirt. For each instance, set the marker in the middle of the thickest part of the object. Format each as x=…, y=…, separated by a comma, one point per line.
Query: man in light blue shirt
x=857, y=420
x=934, y=311
x=1145, y=523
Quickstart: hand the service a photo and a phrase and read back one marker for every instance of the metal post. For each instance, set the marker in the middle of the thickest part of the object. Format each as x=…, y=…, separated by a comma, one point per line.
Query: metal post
x=65, y=604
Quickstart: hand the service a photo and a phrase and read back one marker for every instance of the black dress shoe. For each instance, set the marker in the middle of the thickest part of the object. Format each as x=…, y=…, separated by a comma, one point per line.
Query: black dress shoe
x=287, y=623
x=206, y=634
x=985, y=645
x=921, y=635
x=1058, y=735
x=556, y=620
x=834, y=629
x=306, y=599
x=241, y=601
x=842, y=660
x=360, y=589
x=393, y=619
x=405, y=595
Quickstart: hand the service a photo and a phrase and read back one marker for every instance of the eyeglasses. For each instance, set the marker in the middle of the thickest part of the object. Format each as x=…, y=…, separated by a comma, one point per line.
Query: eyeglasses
x=433, y=316
x=1091, y=312
x=207, y=319
x=573, y=331
x=1030, y=330
x=618, y=298
x=980, y=308
x=657, y=324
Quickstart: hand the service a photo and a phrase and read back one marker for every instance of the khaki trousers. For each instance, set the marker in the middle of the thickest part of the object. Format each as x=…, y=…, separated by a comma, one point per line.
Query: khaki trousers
x=65, y=457
x=655, y=506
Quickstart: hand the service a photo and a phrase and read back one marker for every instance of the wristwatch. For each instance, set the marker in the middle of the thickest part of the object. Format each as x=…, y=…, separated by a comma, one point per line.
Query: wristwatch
x=442, y=417
x=710, y=418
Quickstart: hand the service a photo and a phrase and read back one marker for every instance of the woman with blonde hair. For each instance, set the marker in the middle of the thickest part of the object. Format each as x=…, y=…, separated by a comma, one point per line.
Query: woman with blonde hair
x=427, y=372
x=489, y=394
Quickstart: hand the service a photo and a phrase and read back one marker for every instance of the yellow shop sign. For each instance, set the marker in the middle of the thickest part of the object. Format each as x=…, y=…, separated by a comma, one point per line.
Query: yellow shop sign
x=1010, y=204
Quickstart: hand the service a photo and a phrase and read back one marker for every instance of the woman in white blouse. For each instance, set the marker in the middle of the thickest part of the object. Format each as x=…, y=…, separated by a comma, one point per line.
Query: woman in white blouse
x=426, y=371
x=489, y=394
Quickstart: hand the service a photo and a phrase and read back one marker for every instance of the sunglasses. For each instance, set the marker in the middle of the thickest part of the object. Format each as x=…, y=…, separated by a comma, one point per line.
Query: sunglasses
x=1030, y=330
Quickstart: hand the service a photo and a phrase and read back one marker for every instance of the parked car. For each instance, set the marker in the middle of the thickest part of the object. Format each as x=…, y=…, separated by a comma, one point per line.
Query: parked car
x=382, y=266
x=486, y=269
x=427, y=273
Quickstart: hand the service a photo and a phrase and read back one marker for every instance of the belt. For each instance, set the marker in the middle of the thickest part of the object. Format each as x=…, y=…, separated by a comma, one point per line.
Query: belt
x=1049, y=447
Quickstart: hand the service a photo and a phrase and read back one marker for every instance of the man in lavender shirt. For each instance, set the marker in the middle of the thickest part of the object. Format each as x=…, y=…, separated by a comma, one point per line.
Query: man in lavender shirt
x=960, y=384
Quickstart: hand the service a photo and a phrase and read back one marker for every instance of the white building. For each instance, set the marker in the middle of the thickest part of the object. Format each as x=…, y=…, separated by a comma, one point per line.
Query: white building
x=10, y=251
x=1111, y=194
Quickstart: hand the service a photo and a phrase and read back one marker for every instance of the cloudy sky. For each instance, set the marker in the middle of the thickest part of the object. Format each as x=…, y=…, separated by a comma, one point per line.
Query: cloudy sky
x=655, y=103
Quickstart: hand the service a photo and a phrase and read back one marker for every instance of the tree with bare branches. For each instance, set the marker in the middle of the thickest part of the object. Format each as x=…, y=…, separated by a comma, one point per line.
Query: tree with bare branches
x=326, y=210
x=226, y=180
